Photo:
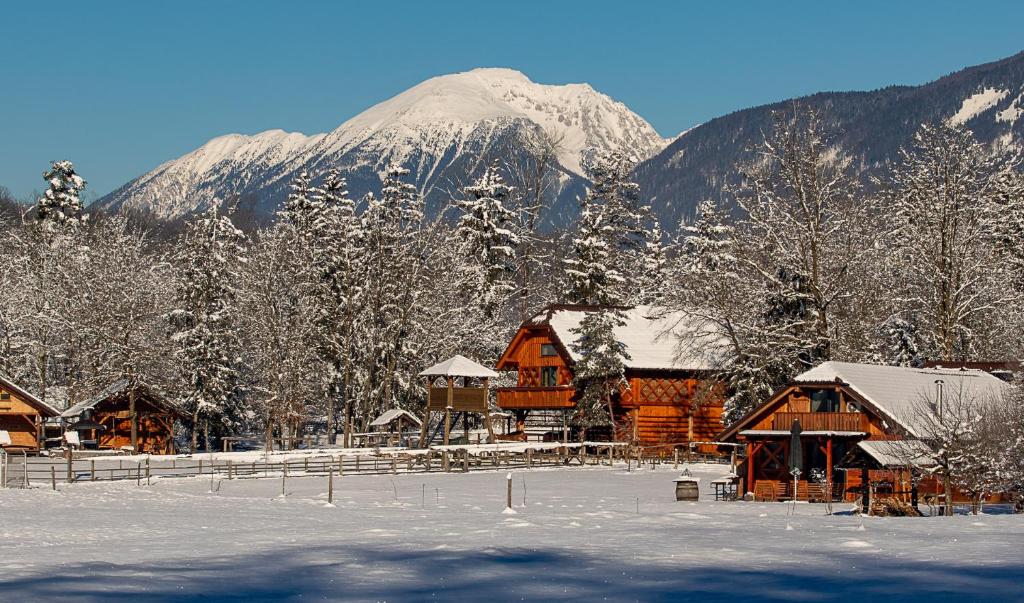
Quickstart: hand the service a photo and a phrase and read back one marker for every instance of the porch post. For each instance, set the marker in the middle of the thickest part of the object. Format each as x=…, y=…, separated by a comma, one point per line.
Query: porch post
x=448, y=409
x=750, y=467
x=865, y=478
x=828, y=465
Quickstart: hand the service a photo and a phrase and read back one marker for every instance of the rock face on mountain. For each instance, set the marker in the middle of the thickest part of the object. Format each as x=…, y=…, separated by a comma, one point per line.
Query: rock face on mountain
x=872, y=126
x=441, y=129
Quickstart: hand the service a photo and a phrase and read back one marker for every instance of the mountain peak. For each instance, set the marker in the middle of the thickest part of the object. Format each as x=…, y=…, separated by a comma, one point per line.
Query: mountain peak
x=440, y=129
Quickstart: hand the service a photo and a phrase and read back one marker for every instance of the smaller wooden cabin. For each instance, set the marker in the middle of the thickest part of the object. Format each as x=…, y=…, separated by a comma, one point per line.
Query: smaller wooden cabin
x=672, y=395
x=153, y=419
x=22, y=416
x=855, y=420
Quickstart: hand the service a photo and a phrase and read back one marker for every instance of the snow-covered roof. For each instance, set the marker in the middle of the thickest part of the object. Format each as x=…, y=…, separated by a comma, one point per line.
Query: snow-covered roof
x=903, y=393
x=898, y=453
x=116, y=389
x=28, y=397
x=393, y=414
x=458, y=366
x=654, y=339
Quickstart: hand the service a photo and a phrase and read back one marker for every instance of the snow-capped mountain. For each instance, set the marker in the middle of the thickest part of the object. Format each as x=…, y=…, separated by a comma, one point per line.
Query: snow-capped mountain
x=441, y=129
x=988, y=99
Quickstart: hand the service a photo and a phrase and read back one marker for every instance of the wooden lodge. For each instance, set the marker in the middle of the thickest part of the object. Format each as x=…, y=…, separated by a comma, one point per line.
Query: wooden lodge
x=112, y=409
x=671, y=396
x=22, y=416
x=861, y=426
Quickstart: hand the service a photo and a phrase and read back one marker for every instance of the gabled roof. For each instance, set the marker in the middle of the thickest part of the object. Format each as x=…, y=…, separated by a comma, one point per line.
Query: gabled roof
x=120, y=388
x=44, y=409
x=898, y=394
x=655, y=339
x=458, y=366
x=393, y=414
x=901, y=393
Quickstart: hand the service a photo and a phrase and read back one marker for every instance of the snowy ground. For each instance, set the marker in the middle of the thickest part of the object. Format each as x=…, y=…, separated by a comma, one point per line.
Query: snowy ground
x=593, y=533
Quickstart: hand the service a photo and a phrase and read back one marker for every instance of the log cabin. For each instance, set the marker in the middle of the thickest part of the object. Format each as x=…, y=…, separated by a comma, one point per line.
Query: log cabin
x=864, y=426
x=671, y=395
x=111, y=408
x=22, y=416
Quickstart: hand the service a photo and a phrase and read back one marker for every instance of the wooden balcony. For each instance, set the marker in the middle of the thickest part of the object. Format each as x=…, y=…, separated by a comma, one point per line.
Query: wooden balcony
x=822, y=421
x=535, y=398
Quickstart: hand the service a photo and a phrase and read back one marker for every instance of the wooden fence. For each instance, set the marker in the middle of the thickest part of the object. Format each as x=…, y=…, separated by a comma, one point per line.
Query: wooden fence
x=24, y=471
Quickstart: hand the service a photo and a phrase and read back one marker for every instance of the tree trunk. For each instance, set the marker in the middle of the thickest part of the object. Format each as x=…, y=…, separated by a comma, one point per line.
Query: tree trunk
x=947, y=485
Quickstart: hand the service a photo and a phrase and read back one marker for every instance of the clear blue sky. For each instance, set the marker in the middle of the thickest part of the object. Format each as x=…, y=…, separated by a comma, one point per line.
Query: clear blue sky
x=119, y=88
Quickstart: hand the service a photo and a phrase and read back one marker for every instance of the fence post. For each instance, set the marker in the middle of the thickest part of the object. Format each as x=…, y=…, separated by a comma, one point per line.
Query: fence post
x=200, y=466
x=53, y=477
x=465, y=461
x=508, y=481
x=24, y=477
x=675, y=458
x=341, y=465
x=394, y=465
x=147, y=471
x=70, y=460
x=330, y=485
x=284, y=475
x=138, y=474
x=230, y=470
x=92, y=470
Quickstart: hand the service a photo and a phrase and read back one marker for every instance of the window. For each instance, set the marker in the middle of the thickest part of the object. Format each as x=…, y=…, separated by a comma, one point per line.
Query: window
x=5, y=395
x=548, y=349
x=548, y=376
x=825, y=400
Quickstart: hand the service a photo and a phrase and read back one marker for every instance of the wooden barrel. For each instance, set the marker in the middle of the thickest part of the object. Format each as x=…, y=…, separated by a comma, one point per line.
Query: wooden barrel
x=687, y=490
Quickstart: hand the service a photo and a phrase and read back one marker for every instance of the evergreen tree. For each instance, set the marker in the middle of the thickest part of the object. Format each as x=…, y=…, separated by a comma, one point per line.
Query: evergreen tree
x=204, y=323
x=592, y=277
x=338, y=258
x=600, y=373
x=487, y=230
x=61, y=204
x=301, y=205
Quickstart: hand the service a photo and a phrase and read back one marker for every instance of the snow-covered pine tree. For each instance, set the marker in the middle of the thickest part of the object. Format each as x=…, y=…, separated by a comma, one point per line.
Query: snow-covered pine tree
x=338, y=259
x=487, y=230
x=654, y=271
x=899, y=342
x=61, y=204
x=617, y=240
x=592, y=278
x=389, y=324
x=204, y=324
x=600, y=372
x=301, y=205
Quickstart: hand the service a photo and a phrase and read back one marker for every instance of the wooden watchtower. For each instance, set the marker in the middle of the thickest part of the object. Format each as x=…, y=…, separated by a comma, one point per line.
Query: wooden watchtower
x=448, y=398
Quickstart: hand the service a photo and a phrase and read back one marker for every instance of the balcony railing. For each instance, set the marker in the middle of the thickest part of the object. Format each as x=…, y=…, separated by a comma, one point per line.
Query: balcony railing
x=821, y=421
x=523, y=398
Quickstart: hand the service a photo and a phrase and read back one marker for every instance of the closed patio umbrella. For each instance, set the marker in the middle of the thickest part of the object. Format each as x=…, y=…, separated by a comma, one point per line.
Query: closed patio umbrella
x=796, y=449
x=796, y=455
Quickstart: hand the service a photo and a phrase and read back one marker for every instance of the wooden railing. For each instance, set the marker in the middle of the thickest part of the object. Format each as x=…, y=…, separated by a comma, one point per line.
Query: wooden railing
x=473, y=399
x=822, y=421
x=521, y=398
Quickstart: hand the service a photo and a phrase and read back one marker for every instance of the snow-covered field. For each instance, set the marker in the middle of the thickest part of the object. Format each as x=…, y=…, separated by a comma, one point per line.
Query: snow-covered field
x=594, y=533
